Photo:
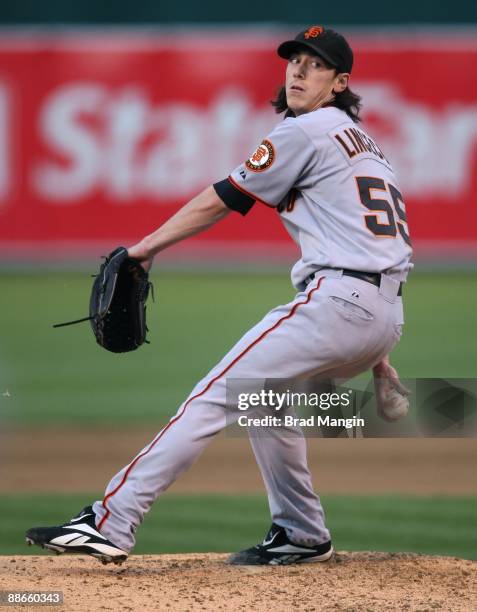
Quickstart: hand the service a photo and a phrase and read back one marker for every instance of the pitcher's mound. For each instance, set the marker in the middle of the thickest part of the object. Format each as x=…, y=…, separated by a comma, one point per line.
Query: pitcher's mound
x=358, y=581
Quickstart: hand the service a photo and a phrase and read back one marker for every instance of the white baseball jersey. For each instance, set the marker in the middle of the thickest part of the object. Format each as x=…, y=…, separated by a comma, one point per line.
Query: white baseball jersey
x=335, y=191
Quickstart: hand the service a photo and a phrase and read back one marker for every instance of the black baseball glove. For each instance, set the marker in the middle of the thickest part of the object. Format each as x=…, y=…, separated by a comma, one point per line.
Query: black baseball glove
x=117, y=307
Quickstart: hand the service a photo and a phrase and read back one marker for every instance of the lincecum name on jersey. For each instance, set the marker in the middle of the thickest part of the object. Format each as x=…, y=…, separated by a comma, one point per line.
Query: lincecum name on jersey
x=355, y=144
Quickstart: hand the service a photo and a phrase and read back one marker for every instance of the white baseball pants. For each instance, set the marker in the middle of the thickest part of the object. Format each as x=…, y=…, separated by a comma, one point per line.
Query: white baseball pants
x=338, y=327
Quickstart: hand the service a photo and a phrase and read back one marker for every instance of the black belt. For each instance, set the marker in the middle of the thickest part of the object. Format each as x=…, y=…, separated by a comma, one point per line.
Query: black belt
x=370, y=277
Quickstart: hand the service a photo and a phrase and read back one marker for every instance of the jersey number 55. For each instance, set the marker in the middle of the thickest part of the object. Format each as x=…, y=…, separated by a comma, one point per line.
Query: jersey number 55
x=366, y=184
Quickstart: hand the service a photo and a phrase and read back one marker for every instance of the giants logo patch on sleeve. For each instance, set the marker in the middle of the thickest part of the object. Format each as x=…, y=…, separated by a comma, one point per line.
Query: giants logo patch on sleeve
x=263, y=157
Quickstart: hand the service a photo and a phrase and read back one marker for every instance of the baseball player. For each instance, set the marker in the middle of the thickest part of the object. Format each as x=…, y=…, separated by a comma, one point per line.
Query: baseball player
x=339, y=199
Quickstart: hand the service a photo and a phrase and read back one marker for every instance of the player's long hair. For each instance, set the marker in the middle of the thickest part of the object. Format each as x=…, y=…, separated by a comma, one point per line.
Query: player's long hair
x=345, y=100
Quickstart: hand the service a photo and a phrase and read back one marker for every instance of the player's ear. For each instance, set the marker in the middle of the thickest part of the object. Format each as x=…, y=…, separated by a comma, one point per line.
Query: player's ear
x=341, y=82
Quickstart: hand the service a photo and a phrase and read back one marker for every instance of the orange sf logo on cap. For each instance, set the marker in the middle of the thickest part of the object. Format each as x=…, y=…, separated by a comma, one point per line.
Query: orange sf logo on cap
x=313, y=32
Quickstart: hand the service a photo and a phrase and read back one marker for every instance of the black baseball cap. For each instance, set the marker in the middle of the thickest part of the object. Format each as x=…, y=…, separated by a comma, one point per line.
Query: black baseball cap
x=326, y=43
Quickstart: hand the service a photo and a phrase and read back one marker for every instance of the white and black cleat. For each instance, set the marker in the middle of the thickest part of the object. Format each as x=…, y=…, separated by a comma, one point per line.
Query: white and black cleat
x=79, y=536
x=278, y=549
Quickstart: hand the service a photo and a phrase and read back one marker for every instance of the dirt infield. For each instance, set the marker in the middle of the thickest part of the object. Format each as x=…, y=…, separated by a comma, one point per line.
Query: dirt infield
x=354, y=582
x=77, y=460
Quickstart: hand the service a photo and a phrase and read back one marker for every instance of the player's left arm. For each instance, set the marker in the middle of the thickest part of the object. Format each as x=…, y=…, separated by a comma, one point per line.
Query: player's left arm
x=199, y=214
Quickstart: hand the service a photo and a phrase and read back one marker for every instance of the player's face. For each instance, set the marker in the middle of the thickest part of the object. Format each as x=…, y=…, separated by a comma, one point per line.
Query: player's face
x=310, y=83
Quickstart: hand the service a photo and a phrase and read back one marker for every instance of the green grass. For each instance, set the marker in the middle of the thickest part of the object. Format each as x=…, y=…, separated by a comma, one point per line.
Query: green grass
x=439, y=333
x=61, y=375
x=206, y=523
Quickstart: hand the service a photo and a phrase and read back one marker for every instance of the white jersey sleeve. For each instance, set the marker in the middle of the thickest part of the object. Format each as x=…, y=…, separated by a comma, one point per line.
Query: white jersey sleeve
x=281, y=162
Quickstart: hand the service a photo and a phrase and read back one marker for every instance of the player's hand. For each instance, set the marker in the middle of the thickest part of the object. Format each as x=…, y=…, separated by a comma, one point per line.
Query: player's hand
x=141, y=254
x=391, y=395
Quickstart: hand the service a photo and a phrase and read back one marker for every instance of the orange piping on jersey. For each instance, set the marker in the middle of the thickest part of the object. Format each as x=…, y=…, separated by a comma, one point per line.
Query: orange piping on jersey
x=249, y=193
x=208, y=386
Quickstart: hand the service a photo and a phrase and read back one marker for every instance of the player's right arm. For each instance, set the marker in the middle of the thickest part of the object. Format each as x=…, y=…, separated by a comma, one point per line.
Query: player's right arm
x=391, y=395
x=197, y=215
